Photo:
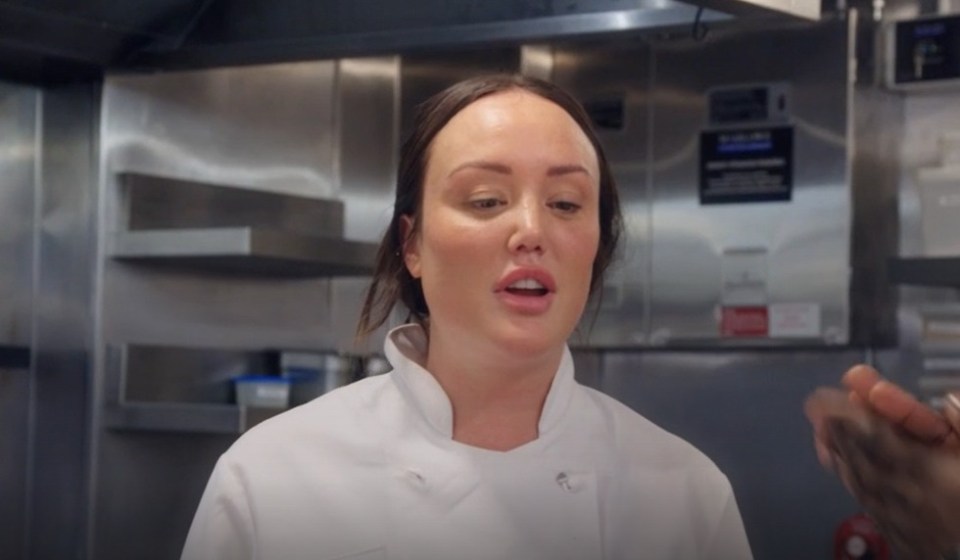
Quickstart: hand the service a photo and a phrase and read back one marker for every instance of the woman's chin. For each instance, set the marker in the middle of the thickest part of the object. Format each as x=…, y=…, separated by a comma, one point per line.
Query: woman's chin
x=526, y=341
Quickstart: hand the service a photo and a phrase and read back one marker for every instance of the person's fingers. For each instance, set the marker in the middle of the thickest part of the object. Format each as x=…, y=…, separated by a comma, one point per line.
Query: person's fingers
x=857, y=400
x=860, y=379
x=951, y=410
x=816, y=409
x=823, y=402
x=901, y=408
x=896, y=405
x=823, y=453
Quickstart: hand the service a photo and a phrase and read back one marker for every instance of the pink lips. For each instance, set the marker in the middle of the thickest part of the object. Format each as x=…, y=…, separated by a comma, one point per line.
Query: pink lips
x=526, y=304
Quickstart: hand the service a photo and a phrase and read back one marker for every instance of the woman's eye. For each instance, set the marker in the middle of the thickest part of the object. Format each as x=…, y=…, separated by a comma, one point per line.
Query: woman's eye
x=565, y=206
x=485, y=203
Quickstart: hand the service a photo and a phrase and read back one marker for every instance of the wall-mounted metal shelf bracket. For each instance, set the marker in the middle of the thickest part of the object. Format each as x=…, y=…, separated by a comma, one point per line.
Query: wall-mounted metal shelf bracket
x=184, y=417
x=119, y=414
x=245, y=250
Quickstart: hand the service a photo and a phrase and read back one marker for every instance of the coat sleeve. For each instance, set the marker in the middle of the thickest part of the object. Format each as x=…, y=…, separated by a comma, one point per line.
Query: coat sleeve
x=223, y=526
x=729, y=541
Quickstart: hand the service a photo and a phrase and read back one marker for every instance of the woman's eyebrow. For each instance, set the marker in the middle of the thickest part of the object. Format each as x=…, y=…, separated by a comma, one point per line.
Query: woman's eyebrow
x=483, y=165
x=503, y=169
x=566, y=170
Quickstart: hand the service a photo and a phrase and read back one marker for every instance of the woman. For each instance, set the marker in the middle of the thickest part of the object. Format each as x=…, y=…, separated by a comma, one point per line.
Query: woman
x=898, y=457
x=479, y=444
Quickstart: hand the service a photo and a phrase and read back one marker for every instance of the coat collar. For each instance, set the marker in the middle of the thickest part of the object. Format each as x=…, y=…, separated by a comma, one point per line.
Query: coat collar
x=406, y=349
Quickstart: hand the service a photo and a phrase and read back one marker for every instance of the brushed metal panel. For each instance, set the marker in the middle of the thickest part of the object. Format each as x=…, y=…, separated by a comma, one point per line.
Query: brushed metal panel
x=182, y=375
x=65, y=328
x=162, y=203
x=805, y=239
x=269, y=127
x=188, y=418
x=18, y=156
x=253, y=252
x=14, y=448
x=368, y=120
x=595, y=72
x=149, y=489
x=744, y=410
x=878, y=121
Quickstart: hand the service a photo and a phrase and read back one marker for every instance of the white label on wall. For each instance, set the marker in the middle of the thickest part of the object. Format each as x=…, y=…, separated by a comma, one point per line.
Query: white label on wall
x=795, y=320
x=744, y=277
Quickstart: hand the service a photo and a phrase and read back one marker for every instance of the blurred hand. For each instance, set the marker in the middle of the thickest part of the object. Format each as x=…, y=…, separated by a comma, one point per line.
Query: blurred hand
x=902, y=409
x=898, y=457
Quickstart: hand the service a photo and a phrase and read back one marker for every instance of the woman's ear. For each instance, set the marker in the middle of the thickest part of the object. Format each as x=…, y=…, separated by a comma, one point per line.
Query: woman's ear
x=411, y=246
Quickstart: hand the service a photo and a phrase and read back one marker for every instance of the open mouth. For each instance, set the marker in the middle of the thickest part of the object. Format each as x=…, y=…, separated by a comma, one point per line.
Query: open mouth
x=527, y=287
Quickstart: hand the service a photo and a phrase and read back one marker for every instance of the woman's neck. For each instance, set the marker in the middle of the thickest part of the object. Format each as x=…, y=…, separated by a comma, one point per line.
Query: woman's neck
x=496, y=399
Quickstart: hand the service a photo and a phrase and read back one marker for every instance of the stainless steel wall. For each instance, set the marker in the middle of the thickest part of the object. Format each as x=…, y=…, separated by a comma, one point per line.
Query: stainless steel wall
x=47, y=156
x=803, y=240
x=268, y=128
x=743, y=408
x=368, y=120
x=19, y=157
x=667, y=289
x=325, y=129
x=745, y=411
x=64, y=313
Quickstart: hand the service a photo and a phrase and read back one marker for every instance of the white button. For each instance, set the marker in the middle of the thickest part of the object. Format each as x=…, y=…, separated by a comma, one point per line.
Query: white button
x=566, y=482
x=416, y=479
x=856, y=546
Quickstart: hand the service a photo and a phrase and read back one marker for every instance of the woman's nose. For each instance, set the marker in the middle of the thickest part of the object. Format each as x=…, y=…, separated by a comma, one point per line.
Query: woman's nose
x=528, y=233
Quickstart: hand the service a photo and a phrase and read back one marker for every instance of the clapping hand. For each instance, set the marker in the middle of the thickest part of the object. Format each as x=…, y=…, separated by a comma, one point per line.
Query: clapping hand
x=898, y=457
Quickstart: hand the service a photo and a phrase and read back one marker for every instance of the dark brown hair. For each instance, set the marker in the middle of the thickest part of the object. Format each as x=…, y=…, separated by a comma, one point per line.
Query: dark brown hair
x=392, y=281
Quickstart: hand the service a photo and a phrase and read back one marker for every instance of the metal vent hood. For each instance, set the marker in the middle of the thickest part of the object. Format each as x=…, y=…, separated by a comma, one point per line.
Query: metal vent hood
x=50, y=41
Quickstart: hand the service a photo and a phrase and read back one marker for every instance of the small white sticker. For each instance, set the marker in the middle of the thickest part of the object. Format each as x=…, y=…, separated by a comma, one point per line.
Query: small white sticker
x=794, y=320
x=744, y=277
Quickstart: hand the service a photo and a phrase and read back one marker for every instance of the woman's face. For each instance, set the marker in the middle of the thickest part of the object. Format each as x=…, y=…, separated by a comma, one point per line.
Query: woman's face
x=509, y=225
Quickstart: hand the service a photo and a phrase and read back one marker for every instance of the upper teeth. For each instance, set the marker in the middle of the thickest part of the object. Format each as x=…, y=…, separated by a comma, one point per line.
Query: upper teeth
x=527, y=284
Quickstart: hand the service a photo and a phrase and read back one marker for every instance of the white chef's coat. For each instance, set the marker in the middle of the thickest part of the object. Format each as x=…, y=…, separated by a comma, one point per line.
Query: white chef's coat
x=371, y=471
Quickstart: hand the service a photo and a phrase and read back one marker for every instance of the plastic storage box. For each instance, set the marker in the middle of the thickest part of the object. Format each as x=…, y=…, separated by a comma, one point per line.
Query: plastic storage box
x=262, y=391
x=312, y=374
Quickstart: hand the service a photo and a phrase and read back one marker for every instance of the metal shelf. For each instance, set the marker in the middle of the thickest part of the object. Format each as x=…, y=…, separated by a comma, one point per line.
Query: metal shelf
x=185, y=417
x=14, y=357
x=245, y=250
x=925, y=271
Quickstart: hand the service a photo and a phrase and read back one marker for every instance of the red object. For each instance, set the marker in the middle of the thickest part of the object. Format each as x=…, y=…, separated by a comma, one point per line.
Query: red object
x=747, y=322
x=857, y=538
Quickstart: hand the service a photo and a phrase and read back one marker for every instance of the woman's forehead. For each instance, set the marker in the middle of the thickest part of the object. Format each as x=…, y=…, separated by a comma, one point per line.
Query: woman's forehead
x=513, y=123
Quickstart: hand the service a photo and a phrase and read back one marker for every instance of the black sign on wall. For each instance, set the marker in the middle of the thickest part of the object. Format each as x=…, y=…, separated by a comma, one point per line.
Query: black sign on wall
x=746, y=165
x=927, y=50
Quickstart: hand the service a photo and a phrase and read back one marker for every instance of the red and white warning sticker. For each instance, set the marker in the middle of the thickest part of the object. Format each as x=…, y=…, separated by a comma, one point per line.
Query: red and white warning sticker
x=745, y=321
